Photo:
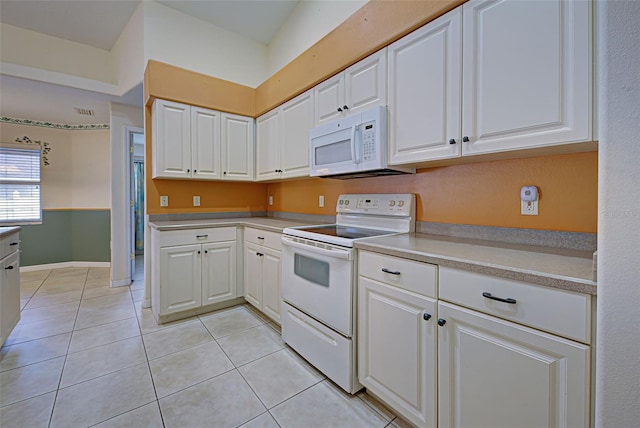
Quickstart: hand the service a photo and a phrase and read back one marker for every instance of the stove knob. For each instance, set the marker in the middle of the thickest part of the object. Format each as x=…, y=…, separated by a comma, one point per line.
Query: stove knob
x=401, y=203
x=392, y=203
x=341, y=202
x=346, y=202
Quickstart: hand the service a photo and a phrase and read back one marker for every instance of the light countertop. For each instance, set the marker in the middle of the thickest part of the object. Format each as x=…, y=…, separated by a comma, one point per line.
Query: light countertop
x=264, y=223
x=565, y=269
x=4, y=231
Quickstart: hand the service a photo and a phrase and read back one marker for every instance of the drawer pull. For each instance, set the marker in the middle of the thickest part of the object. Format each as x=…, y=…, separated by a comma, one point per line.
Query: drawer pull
x=9, y=267
x=13, y=243
x=260, y=237
x=426, y=316
x=259, y=254
x=391, y=272
x=499, y=299
x=202, y=236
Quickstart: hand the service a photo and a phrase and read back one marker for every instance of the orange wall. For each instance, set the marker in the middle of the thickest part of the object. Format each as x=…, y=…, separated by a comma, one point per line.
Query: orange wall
x=486, y=193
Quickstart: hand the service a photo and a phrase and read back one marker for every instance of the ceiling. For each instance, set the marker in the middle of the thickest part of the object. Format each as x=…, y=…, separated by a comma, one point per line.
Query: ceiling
x=98, y=23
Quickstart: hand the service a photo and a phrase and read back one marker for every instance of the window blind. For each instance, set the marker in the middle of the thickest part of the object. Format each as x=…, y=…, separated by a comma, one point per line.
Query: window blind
x=20, y=186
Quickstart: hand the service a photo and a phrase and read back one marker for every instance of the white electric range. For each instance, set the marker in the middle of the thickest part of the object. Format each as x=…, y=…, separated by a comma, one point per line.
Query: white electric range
x=319, y=276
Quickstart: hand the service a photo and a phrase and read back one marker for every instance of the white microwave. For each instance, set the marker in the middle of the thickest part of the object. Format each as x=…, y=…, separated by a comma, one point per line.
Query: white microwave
x=352, y=147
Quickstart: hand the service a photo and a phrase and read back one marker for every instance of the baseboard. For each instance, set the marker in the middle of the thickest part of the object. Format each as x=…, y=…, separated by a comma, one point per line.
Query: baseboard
x=146, y=303
x=120, y=282
x=64, y=265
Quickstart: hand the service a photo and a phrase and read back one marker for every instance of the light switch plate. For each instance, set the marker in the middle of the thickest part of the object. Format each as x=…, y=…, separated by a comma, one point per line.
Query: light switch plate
x=196, y=201
x=321, y=201
x=270, y=200
x=164, y=201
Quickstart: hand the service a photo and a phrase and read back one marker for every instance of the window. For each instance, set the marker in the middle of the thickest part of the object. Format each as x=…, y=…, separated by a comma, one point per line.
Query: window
x=20, y=186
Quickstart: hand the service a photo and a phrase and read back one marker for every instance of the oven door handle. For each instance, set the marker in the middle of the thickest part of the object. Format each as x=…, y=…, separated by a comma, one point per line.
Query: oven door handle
x=335, y=253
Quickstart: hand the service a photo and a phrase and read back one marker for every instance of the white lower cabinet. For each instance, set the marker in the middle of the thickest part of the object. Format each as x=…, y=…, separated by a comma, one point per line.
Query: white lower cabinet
x=397, y=334
x=262, y=253
x=490, y=352
x=194, y=268
x=9, y=284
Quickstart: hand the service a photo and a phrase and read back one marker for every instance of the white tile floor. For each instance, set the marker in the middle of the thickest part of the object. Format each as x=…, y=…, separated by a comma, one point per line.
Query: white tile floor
x=85, y=354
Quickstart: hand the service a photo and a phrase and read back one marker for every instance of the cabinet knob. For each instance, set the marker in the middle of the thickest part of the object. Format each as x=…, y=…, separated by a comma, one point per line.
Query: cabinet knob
x=9, y=267
x=224, y=173
x=206, y=251
x=426, y=316
x=452, y=141
x=195, y=170
x=259, y=254
x=465, y=139
x=441, y=322
x=345, y=107
x=198, y=252
x=188, y=170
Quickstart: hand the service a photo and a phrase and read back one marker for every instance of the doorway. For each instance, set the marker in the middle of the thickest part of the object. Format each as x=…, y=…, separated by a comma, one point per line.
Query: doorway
x=136, y=149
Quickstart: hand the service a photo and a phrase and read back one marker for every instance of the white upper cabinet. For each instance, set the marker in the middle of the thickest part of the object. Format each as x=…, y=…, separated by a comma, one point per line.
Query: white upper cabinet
x=527, y=79
x=424, y=92
x=282, y=139
x=198, y=143
x=205, y=143
x=519, y=78
x=237, y=147
x=361, y=86
x=171, y=140
x=268, y=145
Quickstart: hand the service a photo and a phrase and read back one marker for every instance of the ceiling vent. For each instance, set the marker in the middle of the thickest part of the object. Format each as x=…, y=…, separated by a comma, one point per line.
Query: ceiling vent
x=84, y=111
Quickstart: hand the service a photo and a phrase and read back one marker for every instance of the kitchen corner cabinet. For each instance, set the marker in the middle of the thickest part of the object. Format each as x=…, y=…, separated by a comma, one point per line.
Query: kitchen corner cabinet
x=520, y=74
x=262, y=253
x=282, y=139
x=359, y=87
x=397, y=315
x=201, y=144
x=520, y=362
x=9, y=284
x=194, y=268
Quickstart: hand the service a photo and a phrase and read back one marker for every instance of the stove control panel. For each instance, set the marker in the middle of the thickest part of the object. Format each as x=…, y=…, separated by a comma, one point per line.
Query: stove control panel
x=401, y=204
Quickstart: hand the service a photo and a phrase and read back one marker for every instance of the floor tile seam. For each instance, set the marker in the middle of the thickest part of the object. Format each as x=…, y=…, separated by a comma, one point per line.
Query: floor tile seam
x=295, y=395
x=53, y=304
x=259, y=358
x=31, y=364
x=166, y=328
x=22, y=322
x=252, y=390
x=221, y=311
x=261, y=414
x=195, y=384
x=181, y=350
x=99, y=297
x=120, y=414
x=231, y=334
x=103, y=344
x=274, y=418
x=31, y=340
x=133, y=364
x=110, y=322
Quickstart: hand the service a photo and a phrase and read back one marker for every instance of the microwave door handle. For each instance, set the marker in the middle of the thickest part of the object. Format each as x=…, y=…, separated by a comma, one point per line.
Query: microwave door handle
x=355, y=151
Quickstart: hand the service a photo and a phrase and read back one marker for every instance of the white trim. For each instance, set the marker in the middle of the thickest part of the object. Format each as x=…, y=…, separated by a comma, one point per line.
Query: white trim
x=64, y=265
x=26, y=72
x=121, y=282
x=146, y=303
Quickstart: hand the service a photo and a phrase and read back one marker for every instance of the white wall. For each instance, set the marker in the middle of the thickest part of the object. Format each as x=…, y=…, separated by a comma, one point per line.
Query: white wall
x=618, y=326
x=309, y=22
x=91, y=160
x=37, y=50
x=122, y=116
x=127, y=54
x=181, y=40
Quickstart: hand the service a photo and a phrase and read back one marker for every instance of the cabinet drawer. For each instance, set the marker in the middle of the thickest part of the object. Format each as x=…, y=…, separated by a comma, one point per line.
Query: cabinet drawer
x=197, y=236
x=263, y=237
x=9, y=244
x=413, y=276
x=556, y=311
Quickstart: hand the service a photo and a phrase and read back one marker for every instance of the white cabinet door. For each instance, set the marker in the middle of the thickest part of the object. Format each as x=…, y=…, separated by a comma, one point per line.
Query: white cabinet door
x=171, y=136
x=424, y=92
x=268, y=143
x=527, y=74
x=297, y=120
x=180, y=278
x=237, y=147
x=218, y=272
x=397, y=349
x=253, y=274
x=495, y=373
x=205, y=143
x=9, y=295
x=329, y=99
x=365, y=83
x=271, y=298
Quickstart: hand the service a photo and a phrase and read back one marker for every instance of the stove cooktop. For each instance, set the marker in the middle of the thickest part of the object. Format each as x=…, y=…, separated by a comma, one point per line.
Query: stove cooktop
x=346, y=232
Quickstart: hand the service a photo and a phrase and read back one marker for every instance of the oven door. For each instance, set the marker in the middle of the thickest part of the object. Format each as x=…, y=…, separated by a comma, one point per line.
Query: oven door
x=317, y=279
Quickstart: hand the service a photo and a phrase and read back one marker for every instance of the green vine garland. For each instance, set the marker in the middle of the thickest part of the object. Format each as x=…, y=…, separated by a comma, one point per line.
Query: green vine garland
x=44, y=147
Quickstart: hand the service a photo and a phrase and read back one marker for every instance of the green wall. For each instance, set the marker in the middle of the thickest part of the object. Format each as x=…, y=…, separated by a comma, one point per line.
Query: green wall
x=67, y=235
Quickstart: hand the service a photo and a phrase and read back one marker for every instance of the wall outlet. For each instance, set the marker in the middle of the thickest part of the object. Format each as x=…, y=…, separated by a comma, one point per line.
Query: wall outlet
x=164, y=201
x=196, y=201
x=270, y=200
x=529, y=207
x=321, y=201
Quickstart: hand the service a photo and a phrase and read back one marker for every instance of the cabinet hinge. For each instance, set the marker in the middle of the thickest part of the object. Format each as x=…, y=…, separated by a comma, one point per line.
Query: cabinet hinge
x=131, y=148
x=131, y=203
x=133, y=256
